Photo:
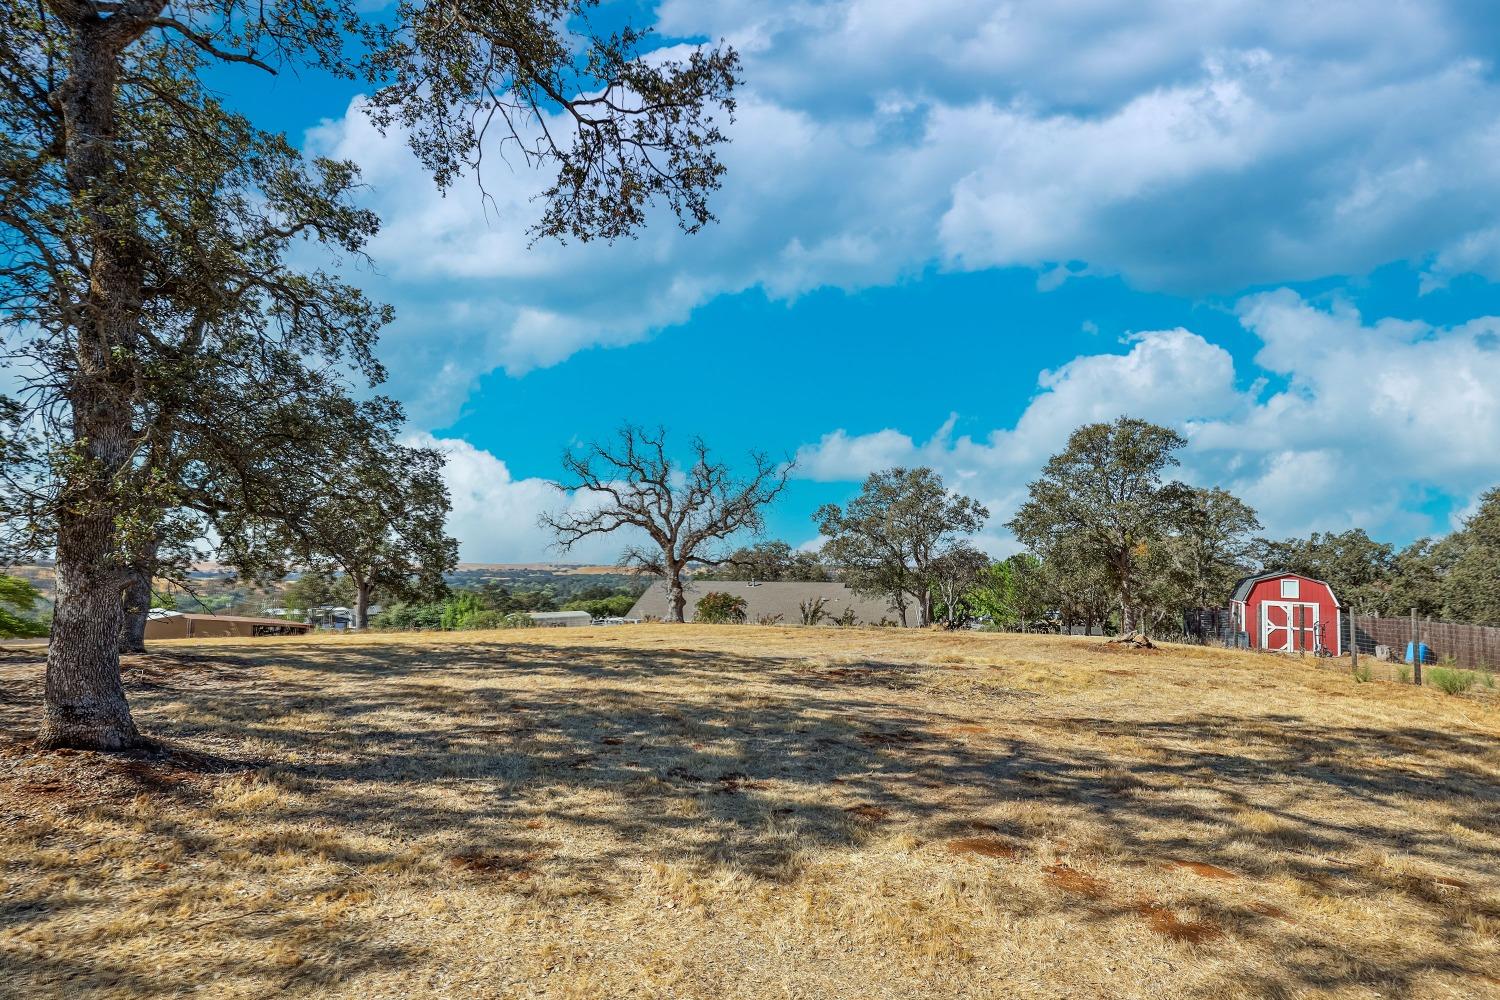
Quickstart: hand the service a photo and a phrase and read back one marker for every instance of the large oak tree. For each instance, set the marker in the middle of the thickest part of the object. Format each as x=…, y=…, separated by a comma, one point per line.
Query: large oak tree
x=886, y=540
x=1103, y=500
x=145, y=231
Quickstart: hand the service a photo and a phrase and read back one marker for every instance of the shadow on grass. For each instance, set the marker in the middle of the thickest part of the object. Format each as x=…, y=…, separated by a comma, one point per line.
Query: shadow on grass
x=707, y=757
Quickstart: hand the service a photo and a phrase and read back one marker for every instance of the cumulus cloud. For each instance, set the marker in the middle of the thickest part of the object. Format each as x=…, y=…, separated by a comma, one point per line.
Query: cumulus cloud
x=495, y=515
x=1369, y=419
x=1198, y=149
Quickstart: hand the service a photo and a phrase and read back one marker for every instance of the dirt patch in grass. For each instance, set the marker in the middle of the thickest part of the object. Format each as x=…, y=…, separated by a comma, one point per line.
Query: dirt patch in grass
x=989, y=847
x=868, y=811
x=1075, y=882
x=512, y=866
x=1204, y=870
x=1274, y=912
x=1166, y=923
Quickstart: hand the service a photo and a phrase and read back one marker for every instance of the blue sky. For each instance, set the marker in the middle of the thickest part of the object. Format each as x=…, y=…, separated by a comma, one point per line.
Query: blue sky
x=953, y=231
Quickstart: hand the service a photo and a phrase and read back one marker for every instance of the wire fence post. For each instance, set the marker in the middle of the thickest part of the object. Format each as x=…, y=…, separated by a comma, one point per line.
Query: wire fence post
x=1416, y=651
x=1353, y=640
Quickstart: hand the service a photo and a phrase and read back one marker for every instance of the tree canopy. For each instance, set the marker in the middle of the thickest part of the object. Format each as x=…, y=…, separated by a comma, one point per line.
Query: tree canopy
x=1104, y=497
x=146, y=236
x=769, y=562
x=886, y=539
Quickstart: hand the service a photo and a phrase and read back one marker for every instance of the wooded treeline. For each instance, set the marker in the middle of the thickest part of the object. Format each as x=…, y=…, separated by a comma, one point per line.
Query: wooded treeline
x=1114, y=544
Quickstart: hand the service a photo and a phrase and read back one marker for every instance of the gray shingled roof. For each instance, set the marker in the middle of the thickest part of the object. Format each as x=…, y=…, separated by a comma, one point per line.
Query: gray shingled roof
x=769, y=599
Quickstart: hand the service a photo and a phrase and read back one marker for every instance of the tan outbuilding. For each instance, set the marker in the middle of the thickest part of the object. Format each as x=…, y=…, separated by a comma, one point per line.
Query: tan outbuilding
x=177, y=625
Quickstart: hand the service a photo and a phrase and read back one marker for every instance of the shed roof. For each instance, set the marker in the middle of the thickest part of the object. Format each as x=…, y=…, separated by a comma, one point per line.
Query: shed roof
x=1246, y=584
x=766, y=600
x=559, y=616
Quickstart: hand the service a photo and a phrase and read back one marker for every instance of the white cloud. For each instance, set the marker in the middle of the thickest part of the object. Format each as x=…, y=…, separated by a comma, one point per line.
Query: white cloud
x=1198, y=148
x=495, y=515
x=1372, y=418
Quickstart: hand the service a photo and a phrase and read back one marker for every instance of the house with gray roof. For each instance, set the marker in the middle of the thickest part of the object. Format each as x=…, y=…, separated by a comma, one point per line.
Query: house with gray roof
x=766, y=601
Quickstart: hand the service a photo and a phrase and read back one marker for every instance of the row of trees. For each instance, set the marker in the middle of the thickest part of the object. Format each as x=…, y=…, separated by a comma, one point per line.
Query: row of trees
x=1112, y=541
x=1456, y=577
x=496, y=606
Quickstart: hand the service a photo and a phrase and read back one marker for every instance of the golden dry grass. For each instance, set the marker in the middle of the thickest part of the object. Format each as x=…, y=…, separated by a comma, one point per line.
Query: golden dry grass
x=739, y=812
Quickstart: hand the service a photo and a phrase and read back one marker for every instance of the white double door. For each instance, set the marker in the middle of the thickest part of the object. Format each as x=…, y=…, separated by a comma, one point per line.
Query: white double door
x=1288, y=626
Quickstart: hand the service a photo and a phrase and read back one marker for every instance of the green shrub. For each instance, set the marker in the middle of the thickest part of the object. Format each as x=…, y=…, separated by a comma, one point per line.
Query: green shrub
x=720, y=609
x=483, y=619
x=1362, y=674
x=410, y=616
x=1488, y=678
x=1403, y=673
x=1451, y=681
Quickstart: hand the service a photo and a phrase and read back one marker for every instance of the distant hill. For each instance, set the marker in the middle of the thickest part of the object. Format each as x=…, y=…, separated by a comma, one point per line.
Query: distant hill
x=558, y=569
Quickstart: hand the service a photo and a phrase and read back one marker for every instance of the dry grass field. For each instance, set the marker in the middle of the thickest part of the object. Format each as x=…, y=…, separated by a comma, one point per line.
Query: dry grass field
x=740, y=812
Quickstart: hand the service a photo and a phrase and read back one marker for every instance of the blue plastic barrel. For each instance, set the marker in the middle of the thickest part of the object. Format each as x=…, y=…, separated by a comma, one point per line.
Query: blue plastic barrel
x=1422, y=651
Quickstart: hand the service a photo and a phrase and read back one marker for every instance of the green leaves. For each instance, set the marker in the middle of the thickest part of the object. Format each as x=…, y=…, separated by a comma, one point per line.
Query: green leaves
x=18, y=601
x=1101, y=507
x=886, y=540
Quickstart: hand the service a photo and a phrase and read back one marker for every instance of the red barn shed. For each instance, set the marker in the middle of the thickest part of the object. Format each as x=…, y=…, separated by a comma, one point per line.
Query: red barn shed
x=1287, y=613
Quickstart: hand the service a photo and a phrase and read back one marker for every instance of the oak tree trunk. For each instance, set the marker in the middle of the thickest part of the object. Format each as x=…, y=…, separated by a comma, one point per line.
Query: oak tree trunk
x=361, y=604
x=676, y=596
x=85, y=704
x=136, y=607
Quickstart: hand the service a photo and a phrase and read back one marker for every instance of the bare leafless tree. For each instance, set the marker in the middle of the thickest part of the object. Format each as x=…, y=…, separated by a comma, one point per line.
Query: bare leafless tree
x=631, y=483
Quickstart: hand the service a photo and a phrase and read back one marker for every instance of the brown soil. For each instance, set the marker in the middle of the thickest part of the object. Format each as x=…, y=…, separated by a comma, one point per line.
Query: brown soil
x=989, y=847
x=1205, y=869
x=511, y=866
x=1274, y=912
x=1075, y=882
x=1164, y=922
x=867, y=811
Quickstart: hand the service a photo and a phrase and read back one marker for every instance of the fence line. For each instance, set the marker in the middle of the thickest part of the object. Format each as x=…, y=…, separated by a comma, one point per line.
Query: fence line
x=1468, y=646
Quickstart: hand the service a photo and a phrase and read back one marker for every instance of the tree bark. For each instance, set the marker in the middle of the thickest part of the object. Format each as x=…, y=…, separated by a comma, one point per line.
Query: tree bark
x=85, y=704
x=361, y=604
x=676, y=596
x=137, y=603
